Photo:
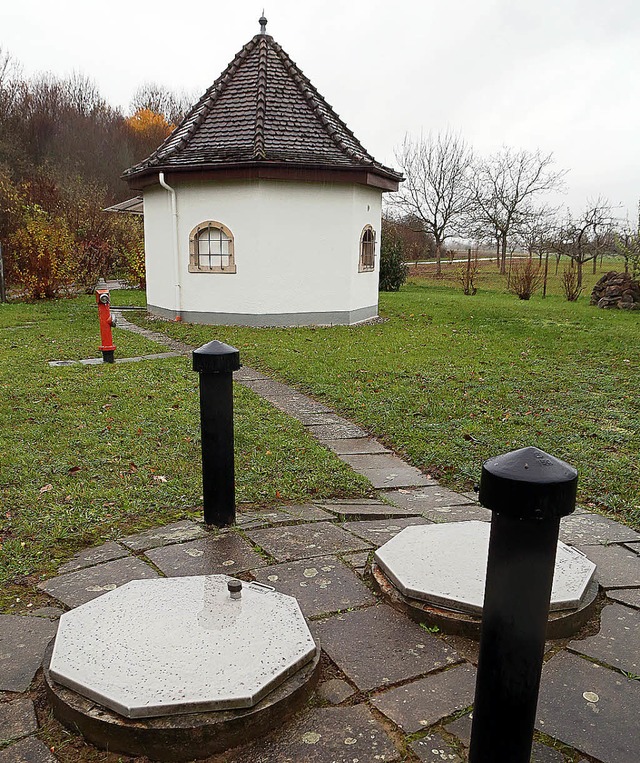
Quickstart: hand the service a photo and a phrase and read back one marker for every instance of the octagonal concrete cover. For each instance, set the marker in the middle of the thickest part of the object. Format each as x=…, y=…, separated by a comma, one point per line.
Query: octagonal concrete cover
x=446, y=564
x=180, y=645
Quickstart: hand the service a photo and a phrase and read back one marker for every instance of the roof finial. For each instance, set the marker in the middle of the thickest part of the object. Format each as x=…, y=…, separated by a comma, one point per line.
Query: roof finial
x=263, y=23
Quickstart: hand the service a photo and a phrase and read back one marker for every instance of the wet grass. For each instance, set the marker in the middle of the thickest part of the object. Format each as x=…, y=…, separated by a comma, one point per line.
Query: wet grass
x=92, y=453
x=450, y=380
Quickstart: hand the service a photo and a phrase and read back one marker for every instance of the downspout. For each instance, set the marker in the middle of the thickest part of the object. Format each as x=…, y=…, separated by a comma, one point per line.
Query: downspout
x=176, y=250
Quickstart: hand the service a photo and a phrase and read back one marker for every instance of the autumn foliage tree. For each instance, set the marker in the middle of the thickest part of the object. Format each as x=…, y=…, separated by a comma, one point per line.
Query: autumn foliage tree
x=148, y=130
x=62, y=151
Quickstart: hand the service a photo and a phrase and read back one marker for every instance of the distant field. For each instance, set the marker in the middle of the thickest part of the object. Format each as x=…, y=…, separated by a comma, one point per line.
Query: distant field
x=488, y=276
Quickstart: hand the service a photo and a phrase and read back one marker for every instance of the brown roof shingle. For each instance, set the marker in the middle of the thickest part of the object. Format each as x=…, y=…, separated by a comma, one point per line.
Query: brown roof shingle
x=262, y=110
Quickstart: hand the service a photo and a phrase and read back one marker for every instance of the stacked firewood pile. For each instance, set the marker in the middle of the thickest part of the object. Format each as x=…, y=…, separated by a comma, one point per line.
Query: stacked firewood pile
x=616, y=290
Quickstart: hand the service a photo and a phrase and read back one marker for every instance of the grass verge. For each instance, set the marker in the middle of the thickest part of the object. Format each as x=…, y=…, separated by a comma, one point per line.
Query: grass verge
x=451, y=380
x=93, y=453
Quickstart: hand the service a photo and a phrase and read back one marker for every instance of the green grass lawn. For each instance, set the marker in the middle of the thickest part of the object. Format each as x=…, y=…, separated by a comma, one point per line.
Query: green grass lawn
x=92, y=453
x=450, y=380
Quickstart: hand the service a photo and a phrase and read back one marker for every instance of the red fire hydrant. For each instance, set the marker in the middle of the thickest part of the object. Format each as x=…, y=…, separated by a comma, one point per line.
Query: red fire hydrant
x=106, y=322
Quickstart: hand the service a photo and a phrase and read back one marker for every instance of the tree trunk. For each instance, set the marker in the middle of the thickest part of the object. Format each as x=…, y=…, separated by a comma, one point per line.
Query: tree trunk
x=438, y=258
x=579, y=263
x=503, y=254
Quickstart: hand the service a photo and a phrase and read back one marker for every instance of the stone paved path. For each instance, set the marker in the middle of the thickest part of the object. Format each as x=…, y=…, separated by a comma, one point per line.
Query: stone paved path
x=390, y=690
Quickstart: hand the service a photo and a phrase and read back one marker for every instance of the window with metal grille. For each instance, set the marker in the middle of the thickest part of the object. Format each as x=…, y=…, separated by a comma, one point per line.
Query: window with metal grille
x=367, y=250
x=211, y=249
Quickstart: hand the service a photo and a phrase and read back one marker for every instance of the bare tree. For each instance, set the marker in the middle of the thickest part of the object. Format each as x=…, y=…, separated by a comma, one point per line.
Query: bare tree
x=9, y=82
x=535, y=232
x=627, y=245
x=161, y=100
x=586, y=236
x=436, y=189
x=504, y=188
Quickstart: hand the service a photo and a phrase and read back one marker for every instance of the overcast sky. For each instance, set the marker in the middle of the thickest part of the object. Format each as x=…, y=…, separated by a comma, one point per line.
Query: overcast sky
x=559, y=75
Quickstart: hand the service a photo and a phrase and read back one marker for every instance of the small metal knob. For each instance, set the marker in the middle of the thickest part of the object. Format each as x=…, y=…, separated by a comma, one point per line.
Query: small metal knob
x=235, y=588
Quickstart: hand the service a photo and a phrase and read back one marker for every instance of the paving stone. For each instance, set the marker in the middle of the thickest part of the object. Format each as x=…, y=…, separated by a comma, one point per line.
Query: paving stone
x=304, y=541
x=606, y=729
x=27, y=751
x=324, y=735
x=271, y=390
x=628, y=596
x=458, y=513
x=336, y=431
x=107, y=552
x=423, y=703
x=335, y=691
x=386, y=470
x=17, y=719
x=307, y=513
x=53, y=613
x=587, y=529
x=618, y=641
x=461, y=728
x=351, y=511
x=342, y=501
x=633, y=547
x=433, y=749
x=23, y=641
x=357, y=560
x=616, y=566
x=298, y=405
x=163, y=536
x=540, y=753
x=321, y=586
x=352, y=446
x=245, y=373
x=311, y=418
x=426, y=498
x=227, y=553
x=76, y=588
x=252, y=520
x=379, y=531
x=378, y=646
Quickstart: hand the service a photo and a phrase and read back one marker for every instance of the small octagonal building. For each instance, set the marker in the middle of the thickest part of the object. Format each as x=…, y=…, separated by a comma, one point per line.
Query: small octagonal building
x=262, y=208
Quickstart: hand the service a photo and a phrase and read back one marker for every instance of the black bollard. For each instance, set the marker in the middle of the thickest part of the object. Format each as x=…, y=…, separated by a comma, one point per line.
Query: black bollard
x=215, y=362
x=528, y=492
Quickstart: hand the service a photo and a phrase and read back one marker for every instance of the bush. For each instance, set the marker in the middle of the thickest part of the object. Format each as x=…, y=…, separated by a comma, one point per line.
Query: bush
x=393, y=269
x=525, y=278
x=570, y=284
x=42, y=255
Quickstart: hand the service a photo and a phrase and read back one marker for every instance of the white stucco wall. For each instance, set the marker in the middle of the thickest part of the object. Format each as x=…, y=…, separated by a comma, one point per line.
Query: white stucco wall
x=296, y=249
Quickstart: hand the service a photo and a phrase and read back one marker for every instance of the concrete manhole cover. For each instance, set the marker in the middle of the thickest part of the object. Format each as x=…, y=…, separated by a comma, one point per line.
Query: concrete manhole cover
x=445, y=565
x=181, y=645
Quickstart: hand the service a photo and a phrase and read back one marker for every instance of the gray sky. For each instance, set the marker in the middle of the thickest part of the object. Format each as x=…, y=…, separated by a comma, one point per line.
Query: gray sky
x=559, y=75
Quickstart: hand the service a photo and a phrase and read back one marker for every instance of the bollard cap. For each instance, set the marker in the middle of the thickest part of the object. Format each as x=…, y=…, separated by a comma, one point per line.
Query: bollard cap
x=528, y=484
x=215, y=358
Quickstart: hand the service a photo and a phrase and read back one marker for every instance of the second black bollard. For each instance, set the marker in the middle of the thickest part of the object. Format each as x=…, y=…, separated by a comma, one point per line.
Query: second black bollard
x=215, y=363
x=528, y=492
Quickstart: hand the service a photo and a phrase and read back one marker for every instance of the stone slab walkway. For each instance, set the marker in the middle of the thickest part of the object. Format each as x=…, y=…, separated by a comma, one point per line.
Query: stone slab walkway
x=389, y=690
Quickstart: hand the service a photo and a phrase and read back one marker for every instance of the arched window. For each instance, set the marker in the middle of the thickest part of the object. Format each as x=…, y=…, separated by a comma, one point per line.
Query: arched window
x=367, y=259
x=211, y=249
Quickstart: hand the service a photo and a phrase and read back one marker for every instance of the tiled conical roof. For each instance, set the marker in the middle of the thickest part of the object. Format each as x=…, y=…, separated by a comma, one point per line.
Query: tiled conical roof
x=262, y=110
